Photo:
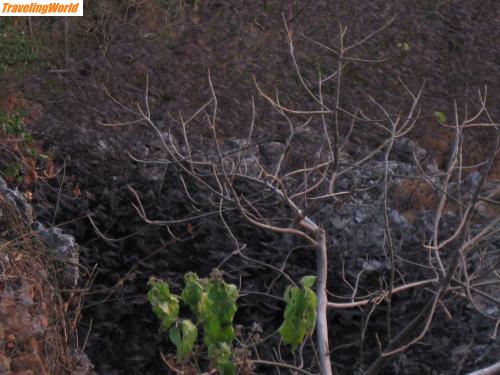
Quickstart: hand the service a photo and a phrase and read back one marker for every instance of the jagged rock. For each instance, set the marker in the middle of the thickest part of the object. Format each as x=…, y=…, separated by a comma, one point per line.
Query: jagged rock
x=82, y=363
x=65, y=248
x=17, y=199
x=62, y=244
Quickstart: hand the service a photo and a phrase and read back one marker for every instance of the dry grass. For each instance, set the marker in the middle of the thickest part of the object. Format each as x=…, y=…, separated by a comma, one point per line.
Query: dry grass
x=35, y=327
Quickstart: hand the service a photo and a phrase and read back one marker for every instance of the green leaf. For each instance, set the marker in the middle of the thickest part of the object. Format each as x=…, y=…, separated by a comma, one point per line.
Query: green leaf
x=440, y=116
x=405, y=46
x=219, y=352
x=175, y=336
x=218, y=327
x=165, y=304
x=227, y=368
x=189, y=335
x=194, y=296
x=184, y=343
x=222, y=299
x=193, y=290
x=221, y=308
x=308, y=281
x=213, y=302
x=13, y=169
x=218, y=330
x=300, y=313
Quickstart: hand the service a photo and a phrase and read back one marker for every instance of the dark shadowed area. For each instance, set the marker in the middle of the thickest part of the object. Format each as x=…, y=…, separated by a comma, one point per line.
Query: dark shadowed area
x=121, y=47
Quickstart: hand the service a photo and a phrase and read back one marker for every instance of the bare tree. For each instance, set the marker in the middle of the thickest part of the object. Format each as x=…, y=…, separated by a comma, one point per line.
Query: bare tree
x=241, y=182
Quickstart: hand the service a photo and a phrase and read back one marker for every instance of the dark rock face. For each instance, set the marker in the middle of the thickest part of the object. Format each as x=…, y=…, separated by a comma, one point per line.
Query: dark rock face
x=452, y=44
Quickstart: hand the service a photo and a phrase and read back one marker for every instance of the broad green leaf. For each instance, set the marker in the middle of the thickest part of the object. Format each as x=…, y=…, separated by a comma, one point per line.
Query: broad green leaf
x=203, y=306
x=223, y=299
x=184, y=343
x=165, y=304
x=189, y=335
x=300, y=313
x=192, y=295
x=310, y=311
x=218, y=327
x=232, y=291
x=440, y=116
x=218, y=330
x=193, y=290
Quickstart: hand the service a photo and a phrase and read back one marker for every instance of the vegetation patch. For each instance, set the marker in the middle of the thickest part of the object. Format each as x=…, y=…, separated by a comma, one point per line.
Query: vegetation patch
x=21, y=156
x=213, y=303
x=19, y=52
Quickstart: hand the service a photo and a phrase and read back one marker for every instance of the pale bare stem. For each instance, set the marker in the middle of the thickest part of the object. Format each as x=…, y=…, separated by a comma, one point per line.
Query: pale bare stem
x=146, y=98
x=282, y=268
x=170, y=366
x=186, y=141
x=238, y=247
x=371, y=35
x=442, y=202
x=119, y=103
x=288, y=110
x=297, y=67
x=336, y=125
x=309, y=170
x=426, y=327
x=495, y=330
x=172, y=234
x=267, y=265
x=349, y=132
x=388, y=234
x=315, y=186
x=333, y=152
x=268, y=227
x=291, y=134
x=242, y=155
x=364, y=328
x=282, y=365
x=476, y=125
x=322, y=323
x=356, y=285
x=489, y=230
x=490, y=370
x=306, y=185
x=173, y=153
x=459, y=173
x=481, y=110
x=381, y=296
x=195, y=203
x=303, y=188
x=109, y=239
x=142, y=213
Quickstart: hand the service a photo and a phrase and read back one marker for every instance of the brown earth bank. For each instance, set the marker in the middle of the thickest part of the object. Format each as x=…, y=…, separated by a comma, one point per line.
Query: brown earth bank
x=72, y=87
x=38, y=314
